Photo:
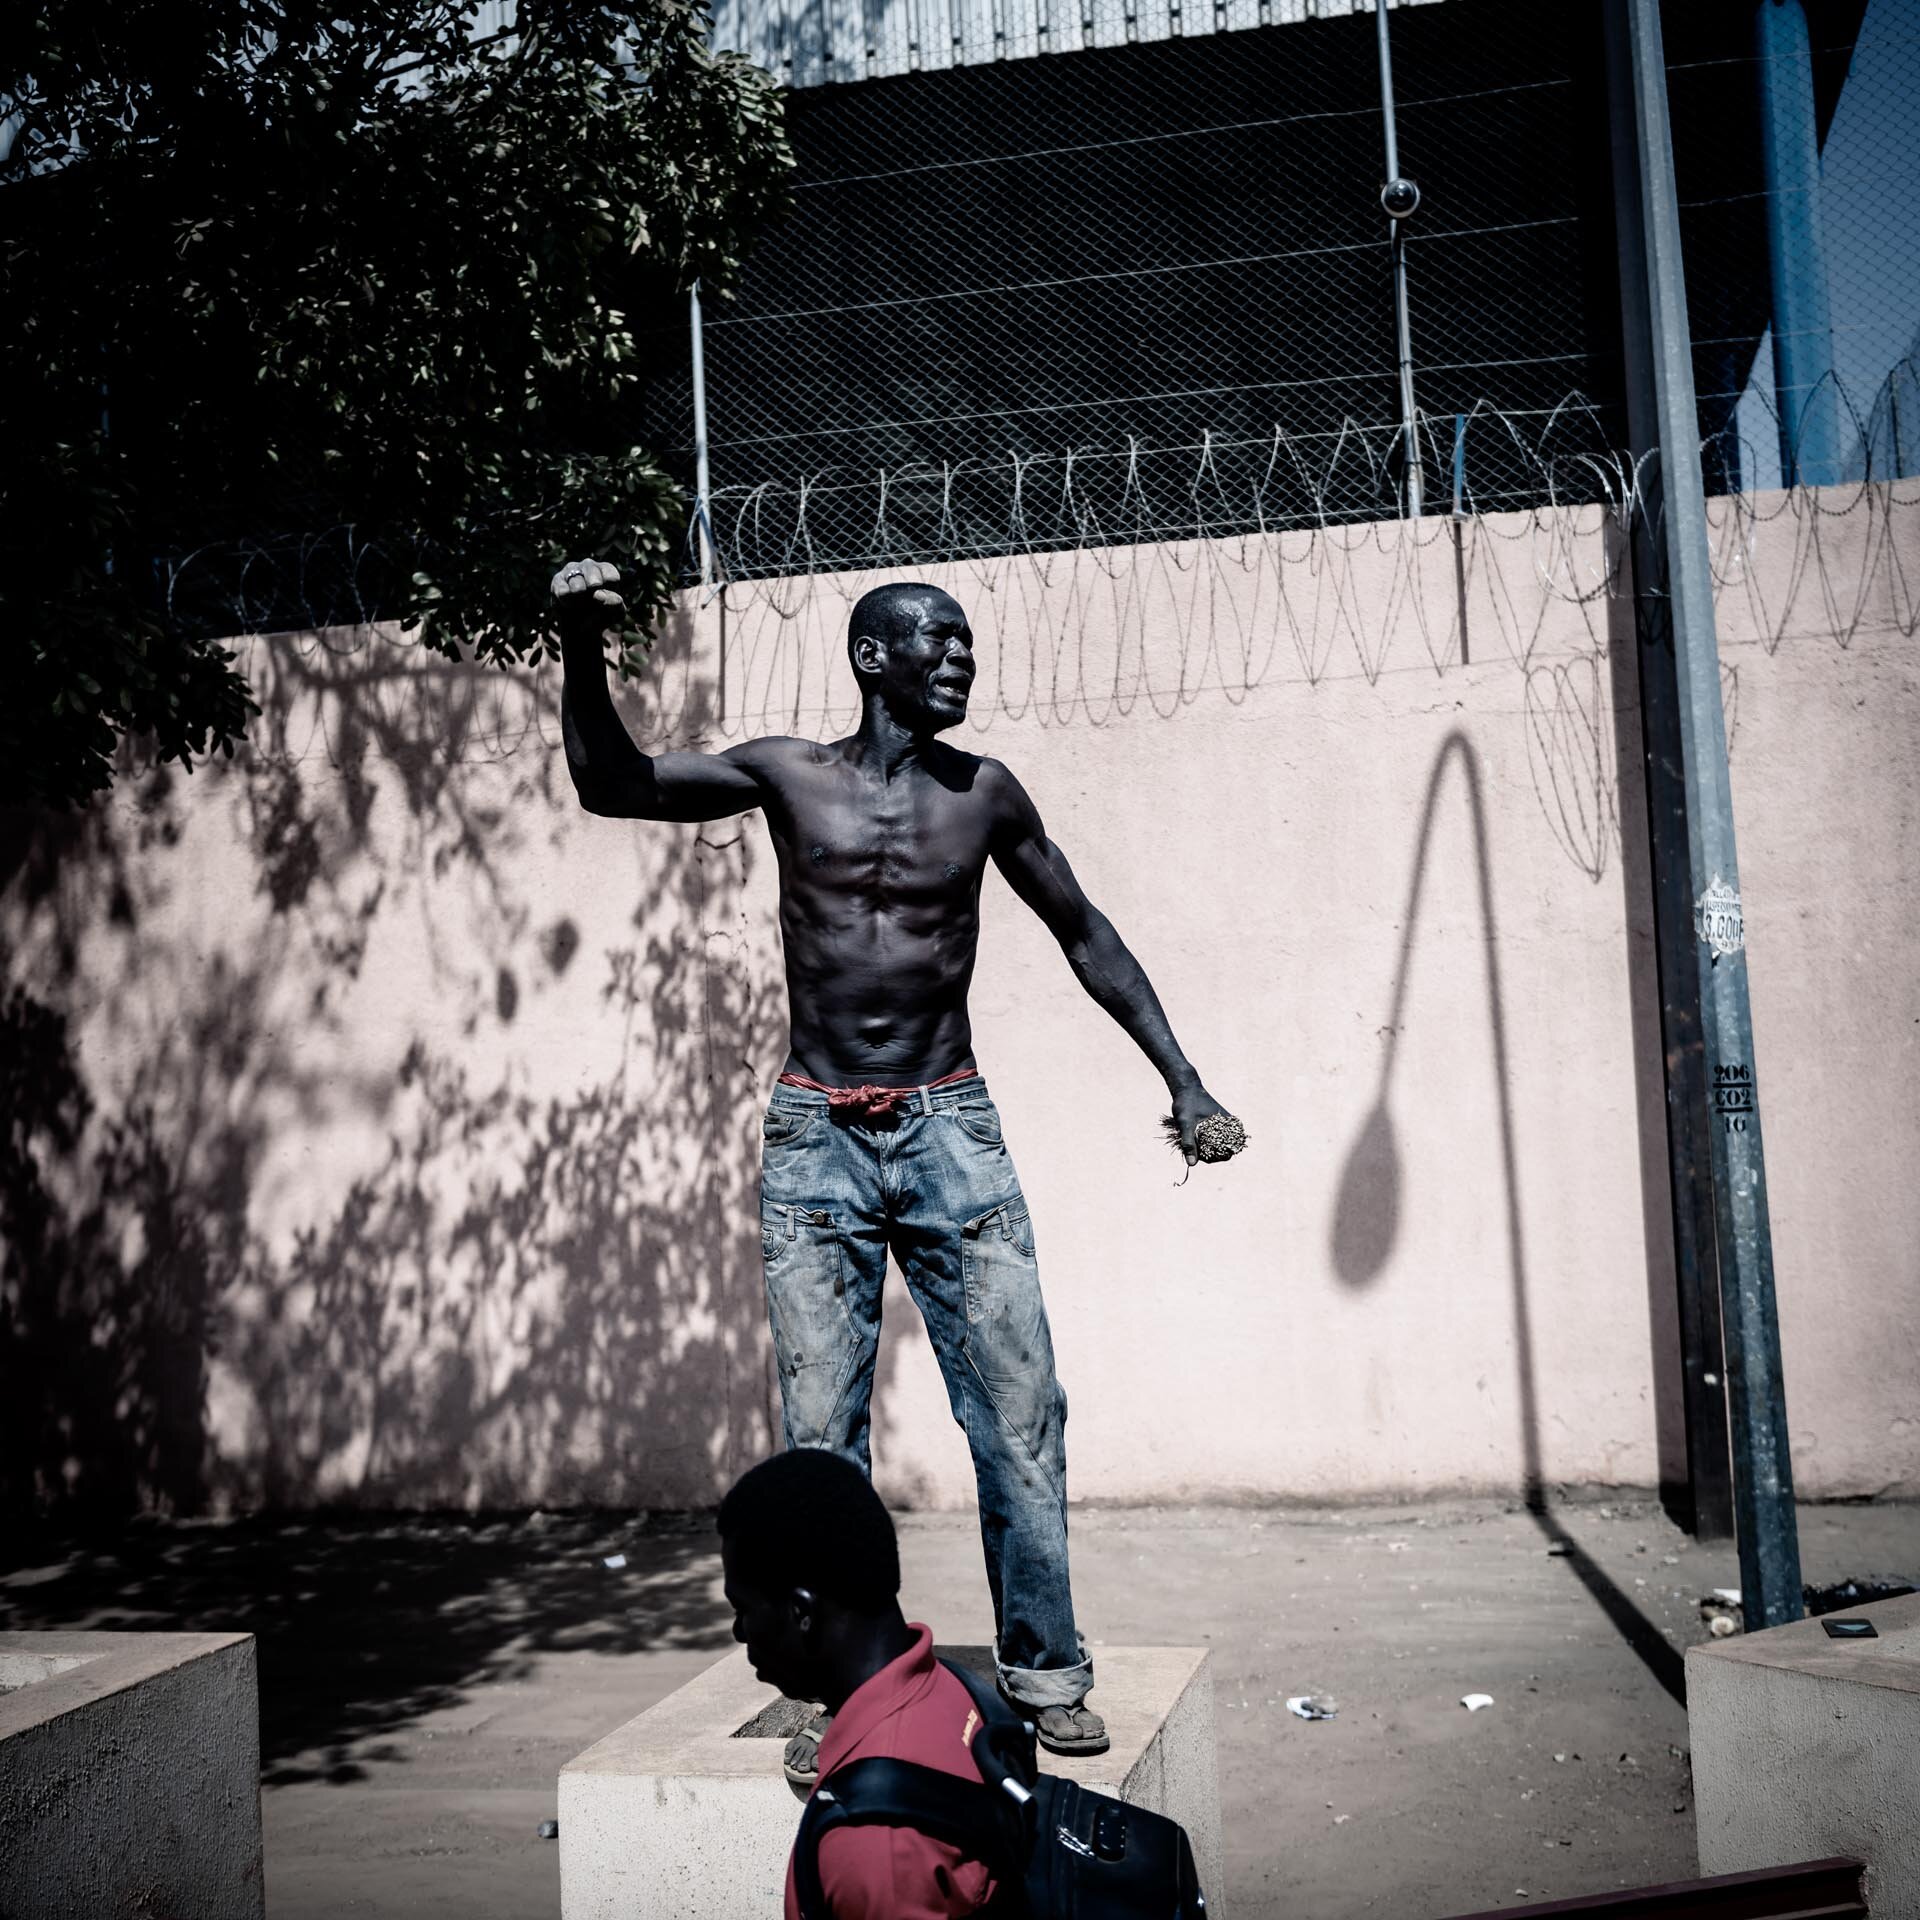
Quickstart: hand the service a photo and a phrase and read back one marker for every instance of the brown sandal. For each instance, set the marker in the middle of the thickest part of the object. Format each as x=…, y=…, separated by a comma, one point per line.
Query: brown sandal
x=1066, y=1730
x=801, y=1760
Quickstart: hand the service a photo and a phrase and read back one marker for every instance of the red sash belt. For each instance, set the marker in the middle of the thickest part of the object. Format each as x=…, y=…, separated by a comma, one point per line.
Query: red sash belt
x=873, y=1103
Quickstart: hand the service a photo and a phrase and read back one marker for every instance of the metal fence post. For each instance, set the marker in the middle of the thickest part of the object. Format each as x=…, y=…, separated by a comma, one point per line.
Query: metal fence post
x=703, y=527
x=1680, y=665
x=1398, y=199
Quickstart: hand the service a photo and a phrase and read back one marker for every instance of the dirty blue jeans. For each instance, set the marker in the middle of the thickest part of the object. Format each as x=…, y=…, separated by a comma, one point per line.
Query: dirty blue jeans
x=933, y=1184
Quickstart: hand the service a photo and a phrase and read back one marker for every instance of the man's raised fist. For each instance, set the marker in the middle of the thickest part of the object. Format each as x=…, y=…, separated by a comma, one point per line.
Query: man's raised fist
x=584, y=596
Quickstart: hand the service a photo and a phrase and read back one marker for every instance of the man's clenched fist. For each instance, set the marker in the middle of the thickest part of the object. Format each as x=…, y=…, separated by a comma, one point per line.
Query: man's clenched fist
x=584, y=596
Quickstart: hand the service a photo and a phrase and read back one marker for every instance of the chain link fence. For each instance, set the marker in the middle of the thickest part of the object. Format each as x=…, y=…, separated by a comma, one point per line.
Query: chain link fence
x=1143, y=291
x=1102, y=272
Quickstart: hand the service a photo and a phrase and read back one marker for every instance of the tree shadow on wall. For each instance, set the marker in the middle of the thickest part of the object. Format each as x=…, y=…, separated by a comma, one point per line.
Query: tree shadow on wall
x=1367, y=1210
x=513, y=1292
x=102, y=1318
x=105, y=1250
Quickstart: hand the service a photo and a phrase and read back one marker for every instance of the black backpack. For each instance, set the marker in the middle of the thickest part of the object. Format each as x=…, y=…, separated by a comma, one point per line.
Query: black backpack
x=1057, y=1851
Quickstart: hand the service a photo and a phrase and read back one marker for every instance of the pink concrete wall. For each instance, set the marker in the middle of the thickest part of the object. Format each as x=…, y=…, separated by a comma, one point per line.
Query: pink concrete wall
x=392, y=1125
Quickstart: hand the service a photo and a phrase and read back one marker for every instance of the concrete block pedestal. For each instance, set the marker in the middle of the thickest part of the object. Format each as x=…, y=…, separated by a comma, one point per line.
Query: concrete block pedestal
x=680, y=1812
x=130, y=1776
x=1806, y=1747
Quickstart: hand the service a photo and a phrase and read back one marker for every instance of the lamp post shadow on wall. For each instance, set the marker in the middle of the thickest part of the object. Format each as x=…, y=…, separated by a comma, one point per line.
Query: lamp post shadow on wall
x=1367, y=1208
x=1720, y=1212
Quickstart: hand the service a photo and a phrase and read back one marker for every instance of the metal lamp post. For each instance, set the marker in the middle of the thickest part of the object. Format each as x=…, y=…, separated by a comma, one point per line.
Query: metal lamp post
x=1708, y=1020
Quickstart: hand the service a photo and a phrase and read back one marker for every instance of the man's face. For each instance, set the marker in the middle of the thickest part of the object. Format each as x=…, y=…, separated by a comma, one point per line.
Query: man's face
x=768, y=1626
x=927, y=675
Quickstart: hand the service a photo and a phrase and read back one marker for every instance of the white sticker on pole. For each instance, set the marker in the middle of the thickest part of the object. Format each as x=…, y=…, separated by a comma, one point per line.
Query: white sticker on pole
x=1717, y=916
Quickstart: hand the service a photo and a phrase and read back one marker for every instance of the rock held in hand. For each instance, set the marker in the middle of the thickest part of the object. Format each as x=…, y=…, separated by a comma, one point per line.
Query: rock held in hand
x=1218, y=1137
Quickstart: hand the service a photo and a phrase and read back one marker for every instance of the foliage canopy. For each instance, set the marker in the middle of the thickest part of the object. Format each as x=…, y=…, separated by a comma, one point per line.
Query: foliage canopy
x=271, y=265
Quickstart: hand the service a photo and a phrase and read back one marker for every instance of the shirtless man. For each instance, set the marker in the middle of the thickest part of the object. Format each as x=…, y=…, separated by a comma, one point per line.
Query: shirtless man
x=880, y=1136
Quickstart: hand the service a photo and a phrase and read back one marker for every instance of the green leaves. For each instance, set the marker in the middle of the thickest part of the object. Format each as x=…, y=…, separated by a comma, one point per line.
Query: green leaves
x=272, y=268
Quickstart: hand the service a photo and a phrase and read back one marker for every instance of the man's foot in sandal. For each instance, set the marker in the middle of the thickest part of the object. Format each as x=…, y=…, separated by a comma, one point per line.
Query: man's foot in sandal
x=1067, y=1730
x=801, y=1760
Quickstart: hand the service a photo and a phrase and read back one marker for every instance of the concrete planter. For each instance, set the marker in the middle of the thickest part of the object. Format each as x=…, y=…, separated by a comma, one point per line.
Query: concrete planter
x=685, y=1811
x=1805, y=1746
x=129, y=1777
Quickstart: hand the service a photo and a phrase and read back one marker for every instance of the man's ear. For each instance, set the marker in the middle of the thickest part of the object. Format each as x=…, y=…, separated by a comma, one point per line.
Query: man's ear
x=802, y=1610
x=869, y=654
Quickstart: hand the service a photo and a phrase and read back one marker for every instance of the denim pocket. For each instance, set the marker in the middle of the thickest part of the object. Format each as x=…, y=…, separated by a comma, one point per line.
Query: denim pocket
x=785, y=1230
x=980, y=1122
x=997, y=1259
x=1017, y=1224
x=782, y=1126
x=807, y=1306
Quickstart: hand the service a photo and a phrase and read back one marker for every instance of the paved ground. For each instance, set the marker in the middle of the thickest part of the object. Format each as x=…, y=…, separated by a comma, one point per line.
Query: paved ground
x=422, y=1681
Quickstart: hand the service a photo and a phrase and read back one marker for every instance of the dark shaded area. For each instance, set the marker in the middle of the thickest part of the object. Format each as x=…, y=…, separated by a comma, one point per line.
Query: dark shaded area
x=559, y=944
x=365, y=1625
x=1657, y=1197
x=326, y=572
x=1368, y=1206
x=103, y=1307
x=503, y=1293
x=1837, y=1595
x=1832, y=1889
x=1661, y=1658
x=1366, y=1210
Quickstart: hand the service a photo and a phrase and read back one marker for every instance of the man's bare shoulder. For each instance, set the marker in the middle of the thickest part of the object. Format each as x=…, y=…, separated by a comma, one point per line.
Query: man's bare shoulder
x=973, y=773
x=999, y=788
x=777, y=753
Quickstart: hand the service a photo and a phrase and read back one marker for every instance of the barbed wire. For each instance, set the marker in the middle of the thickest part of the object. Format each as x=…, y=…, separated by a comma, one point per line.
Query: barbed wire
x=836, y=520
x=1098, y=631
x=341, y=576
x=1135, y=495
x=1031, y=505
x=1101, y=632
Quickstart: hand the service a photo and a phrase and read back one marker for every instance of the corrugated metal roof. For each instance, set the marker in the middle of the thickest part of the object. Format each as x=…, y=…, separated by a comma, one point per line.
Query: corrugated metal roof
x=816, y=43
x=811, y=43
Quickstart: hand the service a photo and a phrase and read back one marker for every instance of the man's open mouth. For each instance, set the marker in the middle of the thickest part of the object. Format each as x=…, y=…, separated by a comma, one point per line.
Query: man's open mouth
x=955, y=686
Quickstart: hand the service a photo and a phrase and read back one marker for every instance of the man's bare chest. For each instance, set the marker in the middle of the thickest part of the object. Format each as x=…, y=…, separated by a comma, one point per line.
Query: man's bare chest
x=910, y=840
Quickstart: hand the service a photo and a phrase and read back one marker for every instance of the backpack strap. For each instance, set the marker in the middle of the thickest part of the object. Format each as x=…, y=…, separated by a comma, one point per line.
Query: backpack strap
x=1004, y=1749
x=985, y=1696
x=894, y=1793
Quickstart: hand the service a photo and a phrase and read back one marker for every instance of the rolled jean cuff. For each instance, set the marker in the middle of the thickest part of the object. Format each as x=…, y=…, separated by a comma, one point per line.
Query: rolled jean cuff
x=1047, y=1686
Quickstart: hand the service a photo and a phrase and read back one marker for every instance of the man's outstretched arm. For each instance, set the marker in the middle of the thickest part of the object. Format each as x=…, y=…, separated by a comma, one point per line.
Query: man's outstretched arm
x=610, y=774
x=1038, y=872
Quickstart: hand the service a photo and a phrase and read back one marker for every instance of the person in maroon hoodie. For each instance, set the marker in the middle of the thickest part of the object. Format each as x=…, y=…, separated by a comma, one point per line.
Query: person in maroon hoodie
x=813, y=1577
